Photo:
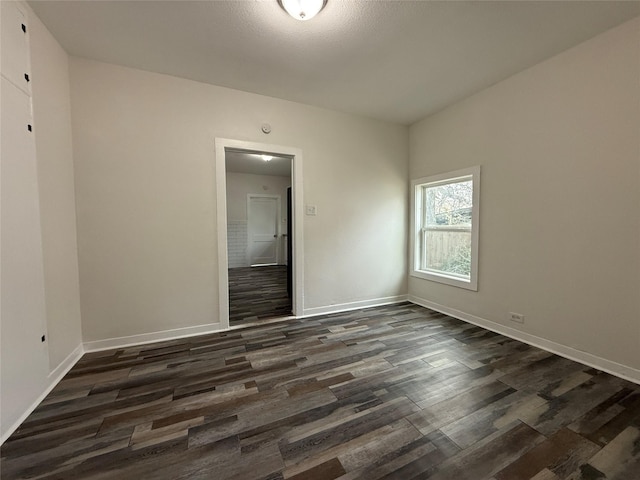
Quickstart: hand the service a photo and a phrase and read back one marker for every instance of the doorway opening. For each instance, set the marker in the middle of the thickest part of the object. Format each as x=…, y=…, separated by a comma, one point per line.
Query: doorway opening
x=259, y=191
x=256, y=236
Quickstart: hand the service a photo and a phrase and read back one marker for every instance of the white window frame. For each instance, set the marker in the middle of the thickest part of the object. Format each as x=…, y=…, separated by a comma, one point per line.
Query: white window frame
x=418, y=229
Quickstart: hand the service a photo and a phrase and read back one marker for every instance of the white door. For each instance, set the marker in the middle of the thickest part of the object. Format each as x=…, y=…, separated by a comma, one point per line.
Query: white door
x=263, y=229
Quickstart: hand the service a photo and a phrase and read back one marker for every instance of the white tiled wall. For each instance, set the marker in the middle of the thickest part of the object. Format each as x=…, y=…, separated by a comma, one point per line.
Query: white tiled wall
x=237, y=244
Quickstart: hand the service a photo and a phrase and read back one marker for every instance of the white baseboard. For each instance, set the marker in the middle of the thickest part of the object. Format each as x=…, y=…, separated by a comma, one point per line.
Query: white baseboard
x=174, y=334
x=614, y=368
x=67, y=364
x=52, y=380
x=161, y=336
x=345, y=307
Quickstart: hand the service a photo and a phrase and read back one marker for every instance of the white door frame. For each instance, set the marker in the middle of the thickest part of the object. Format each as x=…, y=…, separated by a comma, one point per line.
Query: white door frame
x=297, y=283
x=278, y=224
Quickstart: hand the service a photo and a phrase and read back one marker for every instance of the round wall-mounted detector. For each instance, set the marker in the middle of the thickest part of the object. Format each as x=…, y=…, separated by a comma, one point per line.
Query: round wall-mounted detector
x=266, y=128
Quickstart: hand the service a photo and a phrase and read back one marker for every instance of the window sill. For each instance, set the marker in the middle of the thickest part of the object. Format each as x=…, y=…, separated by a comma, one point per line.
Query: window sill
x=453, y=281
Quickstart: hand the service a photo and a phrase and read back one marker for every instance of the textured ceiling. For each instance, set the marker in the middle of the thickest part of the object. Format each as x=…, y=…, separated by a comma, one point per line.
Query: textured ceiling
x=392, y=60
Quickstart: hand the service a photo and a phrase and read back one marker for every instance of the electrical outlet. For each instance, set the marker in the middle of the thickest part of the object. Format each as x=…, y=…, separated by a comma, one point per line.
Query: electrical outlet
x=516, y=317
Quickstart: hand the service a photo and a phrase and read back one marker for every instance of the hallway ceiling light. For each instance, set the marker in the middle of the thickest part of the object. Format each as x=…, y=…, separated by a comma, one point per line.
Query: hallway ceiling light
x=267, y=158
x=302, y=9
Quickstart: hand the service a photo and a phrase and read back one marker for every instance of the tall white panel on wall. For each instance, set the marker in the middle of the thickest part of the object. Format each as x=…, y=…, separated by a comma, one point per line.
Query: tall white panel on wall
x=15, y=46
x=22, y=275
x=24, y=354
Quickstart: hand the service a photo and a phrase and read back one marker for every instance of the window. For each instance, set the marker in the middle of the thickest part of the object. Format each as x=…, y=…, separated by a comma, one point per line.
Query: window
x=445, y=228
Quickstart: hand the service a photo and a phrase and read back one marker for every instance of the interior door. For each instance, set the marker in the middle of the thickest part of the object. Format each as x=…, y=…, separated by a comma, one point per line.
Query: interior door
x=263, y=229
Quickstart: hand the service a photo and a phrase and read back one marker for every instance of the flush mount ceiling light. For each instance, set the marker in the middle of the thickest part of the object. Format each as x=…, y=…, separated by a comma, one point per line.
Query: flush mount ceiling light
x=302, y=9
x=267, y=158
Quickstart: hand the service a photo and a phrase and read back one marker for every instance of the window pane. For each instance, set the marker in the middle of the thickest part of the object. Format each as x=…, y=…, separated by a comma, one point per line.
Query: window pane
x=447, y=233
x=448, y=252
x=449, y=204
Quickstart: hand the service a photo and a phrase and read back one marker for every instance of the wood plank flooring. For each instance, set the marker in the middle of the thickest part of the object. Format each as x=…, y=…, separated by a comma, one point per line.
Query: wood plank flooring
x=258, y=293
x=396, y=392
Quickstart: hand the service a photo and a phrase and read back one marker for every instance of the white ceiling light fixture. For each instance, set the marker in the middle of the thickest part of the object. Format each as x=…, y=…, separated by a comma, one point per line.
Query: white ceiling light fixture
x=302, y=9
x=267, y=158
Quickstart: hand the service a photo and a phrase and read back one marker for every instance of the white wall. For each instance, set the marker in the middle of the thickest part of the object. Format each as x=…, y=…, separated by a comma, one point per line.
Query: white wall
x=559, y=224
x=145, y=191
x=52, y=114
x=39, y=263
x=239, y=185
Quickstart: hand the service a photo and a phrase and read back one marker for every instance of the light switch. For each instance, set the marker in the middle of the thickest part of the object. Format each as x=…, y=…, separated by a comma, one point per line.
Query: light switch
x=312, y=210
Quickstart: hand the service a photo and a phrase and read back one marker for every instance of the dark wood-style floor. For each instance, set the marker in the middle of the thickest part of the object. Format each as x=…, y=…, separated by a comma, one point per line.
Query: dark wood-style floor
x=391, y=392
x=258, y=293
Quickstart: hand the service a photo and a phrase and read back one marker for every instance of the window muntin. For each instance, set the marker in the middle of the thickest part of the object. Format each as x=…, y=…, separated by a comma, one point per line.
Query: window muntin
x=445, y=228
